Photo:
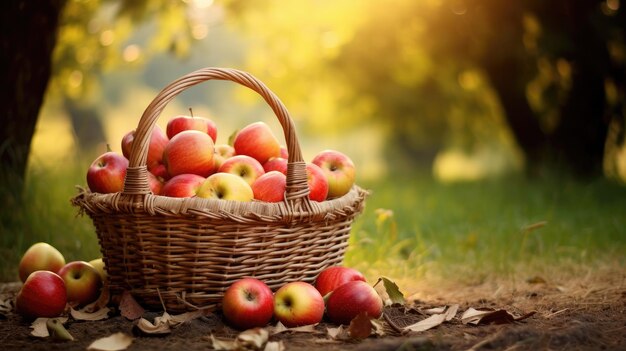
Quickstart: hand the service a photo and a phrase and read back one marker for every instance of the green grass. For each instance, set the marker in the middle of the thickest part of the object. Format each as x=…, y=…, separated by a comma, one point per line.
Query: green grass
x=414, y=227
x=411, y=228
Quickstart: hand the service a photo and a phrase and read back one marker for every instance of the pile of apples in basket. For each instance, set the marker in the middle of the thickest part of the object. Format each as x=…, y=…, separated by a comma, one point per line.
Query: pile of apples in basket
x=185, y=161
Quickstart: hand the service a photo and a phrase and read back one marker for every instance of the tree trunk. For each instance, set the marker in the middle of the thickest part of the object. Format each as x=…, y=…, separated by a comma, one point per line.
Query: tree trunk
x=29, y=31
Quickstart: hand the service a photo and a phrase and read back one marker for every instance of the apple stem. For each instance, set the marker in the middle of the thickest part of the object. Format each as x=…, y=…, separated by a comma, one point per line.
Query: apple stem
x=109, y=147
x=191, y=112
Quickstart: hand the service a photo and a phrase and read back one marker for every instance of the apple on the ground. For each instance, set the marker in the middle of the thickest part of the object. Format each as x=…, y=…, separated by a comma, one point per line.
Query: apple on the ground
x=352, y=298
x=99, y=265
x=189, y=151
x=297, y=304
x=339, y=171
x=225, y=186
x=276, y=164
x=156, y=146
x=40, y=257
x=257, y=140
x=248, y=303
x=82, y=282
x=182, y=185
x=42, y=295
x=270, y=187
x=106, y=174
x=246, y=167
x=181, y=123
x=318, y=185
x=333, y=277
x=222, y=153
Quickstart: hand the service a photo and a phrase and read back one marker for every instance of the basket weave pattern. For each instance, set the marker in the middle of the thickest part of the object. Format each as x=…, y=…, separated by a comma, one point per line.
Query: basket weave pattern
x=187, y=251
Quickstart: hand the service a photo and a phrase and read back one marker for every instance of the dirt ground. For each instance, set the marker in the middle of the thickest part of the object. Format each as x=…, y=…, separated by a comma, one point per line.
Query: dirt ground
x=587, y=313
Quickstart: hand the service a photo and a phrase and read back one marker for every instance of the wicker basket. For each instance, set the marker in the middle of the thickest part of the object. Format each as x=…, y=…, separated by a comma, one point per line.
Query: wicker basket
x=187, y=251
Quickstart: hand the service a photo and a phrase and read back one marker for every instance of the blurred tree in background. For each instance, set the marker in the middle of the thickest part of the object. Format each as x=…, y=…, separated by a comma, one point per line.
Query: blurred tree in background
x=455, y=73
x=546, y=78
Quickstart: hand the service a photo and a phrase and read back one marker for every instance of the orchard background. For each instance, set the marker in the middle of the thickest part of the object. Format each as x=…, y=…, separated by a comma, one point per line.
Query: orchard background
x=490, y=133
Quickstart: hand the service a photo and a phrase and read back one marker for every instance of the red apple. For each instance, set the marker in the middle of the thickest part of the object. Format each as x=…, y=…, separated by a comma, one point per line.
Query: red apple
x=181, y=123
x=182, y=185
x=270, y=187
x=42, y=295
x=333, y=277
x=225, y=186
x=82, y=281
x=156, y=183
x=297, y=304
x=222, y=153
x=40, y=257
x=159, y=171
x=339, y=171
x=248, y=303
x=189, y=151
x=246, y=167
x=106, y=174
x=257, y=140
x=284, y=153
x=318, y=185
x=352, y=298
x=276, y=164
x=158, y=141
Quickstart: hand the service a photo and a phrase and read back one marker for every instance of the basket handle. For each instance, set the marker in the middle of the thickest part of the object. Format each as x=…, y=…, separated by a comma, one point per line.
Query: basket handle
x=136, y=182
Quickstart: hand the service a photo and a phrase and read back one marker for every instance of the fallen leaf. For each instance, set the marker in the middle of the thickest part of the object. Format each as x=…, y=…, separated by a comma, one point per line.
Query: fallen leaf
x=116, y=342
x=280, y=328
x=360, y=326
x=275, y=346
x=221, y=344
x=129, y=307
x=377, y=327
x=160, y=326
x=251, y=339
x=57, y=330
x=82, y=315
x=7, y=302
x=425, y=324
x=337, y=333
x=435, y=310
x=451, y=312
x=163, y=324
x=39, y=328
x=101, y=302
x=392, y=289
x=476, y=317
x=536, y=280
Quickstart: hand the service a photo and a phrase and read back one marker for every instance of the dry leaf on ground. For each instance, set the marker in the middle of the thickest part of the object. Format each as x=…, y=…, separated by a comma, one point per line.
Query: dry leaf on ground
x=251, y=339
x=394, y=295
x=129, y=307
x=337, y=333
x=163, y=324
x=280, y=328
x=360, y=326
x=40, y=329
x=275, y=346
x=83, y=315
x=6, y=303
x=116, y=342
x=425, y=324
x=477, y=317
x=101, y=302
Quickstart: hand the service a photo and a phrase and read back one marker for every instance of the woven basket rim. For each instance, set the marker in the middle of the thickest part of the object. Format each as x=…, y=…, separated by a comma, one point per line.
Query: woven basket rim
x=235, y=211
